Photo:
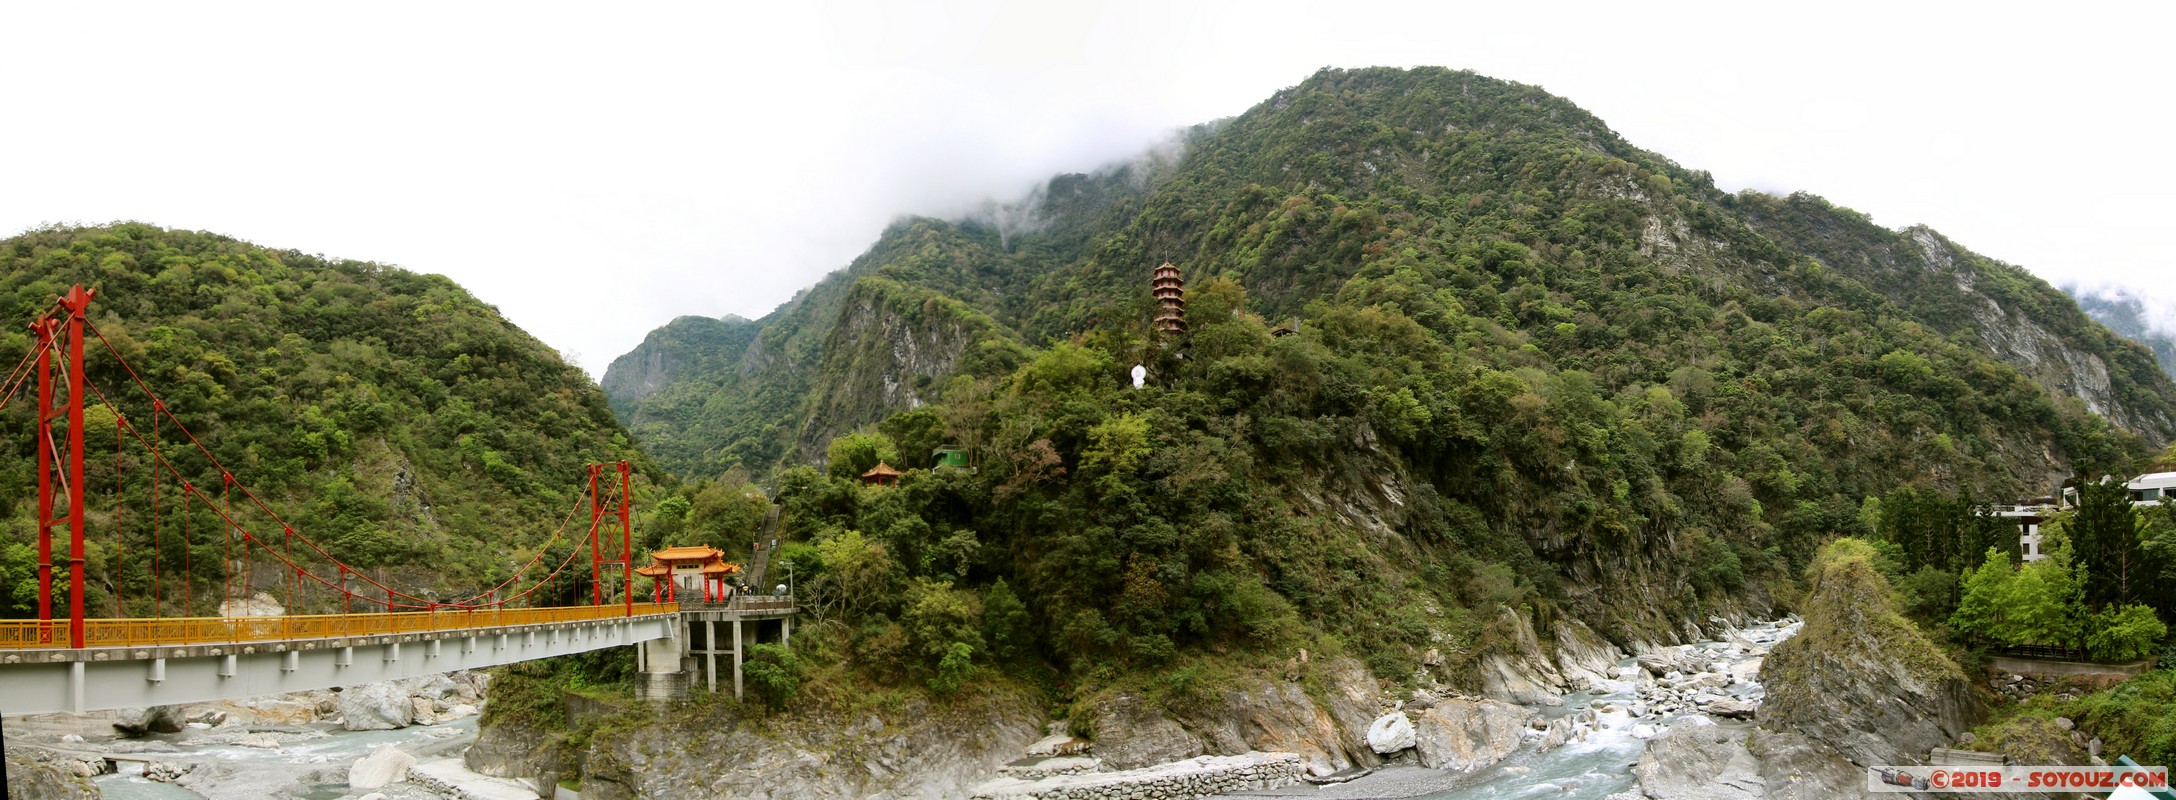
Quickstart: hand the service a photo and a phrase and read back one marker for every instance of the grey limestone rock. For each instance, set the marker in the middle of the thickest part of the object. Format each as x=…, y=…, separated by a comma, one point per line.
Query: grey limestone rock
x=385, y=765
x=1391, y=733
x=1697, y=759
x=155, y=719
x=379, y=706
x=1469, y=734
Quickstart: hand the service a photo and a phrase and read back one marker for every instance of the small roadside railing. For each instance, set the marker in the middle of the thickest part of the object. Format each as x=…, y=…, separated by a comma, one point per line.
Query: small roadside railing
x=2020, y=510
x=759, y=603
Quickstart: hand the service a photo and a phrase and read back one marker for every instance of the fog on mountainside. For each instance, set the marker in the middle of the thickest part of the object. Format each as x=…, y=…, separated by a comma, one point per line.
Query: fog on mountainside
x=2141, y=316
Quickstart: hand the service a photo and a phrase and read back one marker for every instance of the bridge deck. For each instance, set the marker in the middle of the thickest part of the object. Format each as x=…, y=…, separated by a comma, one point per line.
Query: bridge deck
x=39, y=635
x=81, y=679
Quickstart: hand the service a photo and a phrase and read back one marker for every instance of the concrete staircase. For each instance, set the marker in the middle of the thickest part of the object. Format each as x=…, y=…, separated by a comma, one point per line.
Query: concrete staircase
x=758, y=576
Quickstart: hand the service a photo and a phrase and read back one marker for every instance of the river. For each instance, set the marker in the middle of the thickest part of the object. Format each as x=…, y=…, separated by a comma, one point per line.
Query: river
x=1591, y=766
x=310, y=763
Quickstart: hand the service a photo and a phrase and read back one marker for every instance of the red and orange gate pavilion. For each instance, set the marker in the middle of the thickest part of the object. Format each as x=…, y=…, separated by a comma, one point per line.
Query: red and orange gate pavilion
x=697, y=568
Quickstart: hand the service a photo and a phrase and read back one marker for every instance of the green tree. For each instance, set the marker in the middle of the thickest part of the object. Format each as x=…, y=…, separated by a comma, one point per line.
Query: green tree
x=1928, y=593
x=938, y=617
x=1006, y=624
x=857, y=576
x=774, y=674
x=664, y=521
x=725, y=516
x=855, y=453
x=2125, y=633
x=955, y=669
x=2047, y=604
x=2104, y=540
x=1986, y=598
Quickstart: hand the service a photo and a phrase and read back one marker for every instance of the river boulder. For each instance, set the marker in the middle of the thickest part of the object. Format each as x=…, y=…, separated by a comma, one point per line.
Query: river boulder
x=379, y=706
x=141, y=721
x=385, y=765
x=1696, y=759
x=1468, y=734
x=1391, y=733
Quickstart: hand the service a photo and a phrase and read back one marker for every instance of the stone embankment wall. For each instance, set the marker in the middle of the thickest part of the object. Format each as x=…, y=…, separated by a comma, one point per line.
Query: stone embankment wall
x=1196, y=777
x=2039, y=666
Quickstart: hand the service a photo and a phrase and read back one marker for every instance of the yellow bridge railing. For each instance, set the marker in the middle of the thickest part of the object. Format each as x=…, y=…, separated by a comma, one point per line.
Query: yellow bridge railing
x=16, y=634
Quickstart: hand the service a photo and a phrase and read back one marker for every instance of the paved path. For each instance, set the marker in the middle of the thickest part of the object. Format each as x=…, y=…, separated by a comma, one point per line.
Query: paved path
x=475, y=786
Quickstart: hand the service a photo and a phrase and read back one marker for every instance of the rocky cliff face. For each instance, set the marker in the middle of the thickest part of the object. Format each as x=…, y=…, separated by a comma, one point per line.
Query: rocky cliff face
x=891, y=349
x=684, y=347
x=2070, y=366
x=914, y=749
x=1329, y=733
x=2012, y=315
x=2143, y=319
x=1858, y=686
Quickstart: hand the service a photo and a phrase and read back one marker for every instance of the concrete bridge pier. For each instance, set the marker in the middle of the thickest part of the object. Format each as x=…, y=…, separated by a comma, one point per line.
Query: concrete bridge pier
x=662, y=665
x=706, y=634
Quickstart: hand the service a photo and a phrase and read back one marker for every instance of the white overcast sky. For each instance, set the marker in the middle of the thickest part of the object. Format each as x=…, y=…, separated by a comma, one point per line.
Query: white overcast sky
x=595, y=170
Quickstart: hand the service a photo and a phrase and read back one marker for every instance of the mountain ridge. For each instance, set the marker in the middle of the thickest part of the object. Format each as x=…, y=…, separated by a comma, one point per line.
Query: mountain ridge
x=1388, y=150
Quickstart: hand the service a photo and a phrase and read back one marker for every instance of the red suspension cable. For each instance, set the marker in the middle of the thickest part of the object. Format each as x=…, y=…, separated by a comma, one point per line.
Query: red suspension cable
x=22, y=372
x=234, y=527
x=120, y=543
x=577, y=508
x=226, y=543
x=188, y=575
x=246, y=493
x=156, y=599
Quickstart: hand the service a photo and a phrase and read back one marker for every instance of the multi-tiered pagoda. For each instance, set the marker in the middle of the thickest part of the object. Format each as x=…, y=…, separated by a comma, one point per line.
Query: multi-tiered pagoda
x=1170, y=292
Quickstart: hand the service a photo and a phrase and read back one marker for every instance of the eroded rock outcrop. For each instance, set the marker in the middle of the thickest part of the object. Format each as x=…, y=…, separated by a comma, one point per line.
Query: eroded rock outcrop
x=918, y=749
x=1697, y=759
x=1859, y=685
x=1131, y=733
x=1522, y=669
x=1469, y=734
x=32, y=777
x=1256, y=715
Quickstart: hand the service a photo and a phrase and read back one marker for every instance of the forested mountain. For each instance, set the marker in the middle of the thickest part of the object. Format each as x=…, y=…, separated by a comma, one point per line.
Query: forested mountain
x=388, y=415
x=1536, y=368
x=2133, y=317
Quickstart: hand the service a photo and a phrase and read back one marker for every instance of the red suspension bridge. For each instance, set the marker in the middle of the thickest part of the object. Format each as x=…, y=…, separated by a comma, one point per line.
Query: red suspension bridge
x=159, y=572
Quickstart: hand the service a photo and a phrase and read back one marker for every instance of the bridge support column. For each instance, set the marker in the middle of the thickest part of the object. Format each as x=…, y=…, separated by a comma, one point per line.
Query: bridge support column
x=736, y=659
x=76, y=679
x=660, y=666
x=710, y=654
x=785, y=635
